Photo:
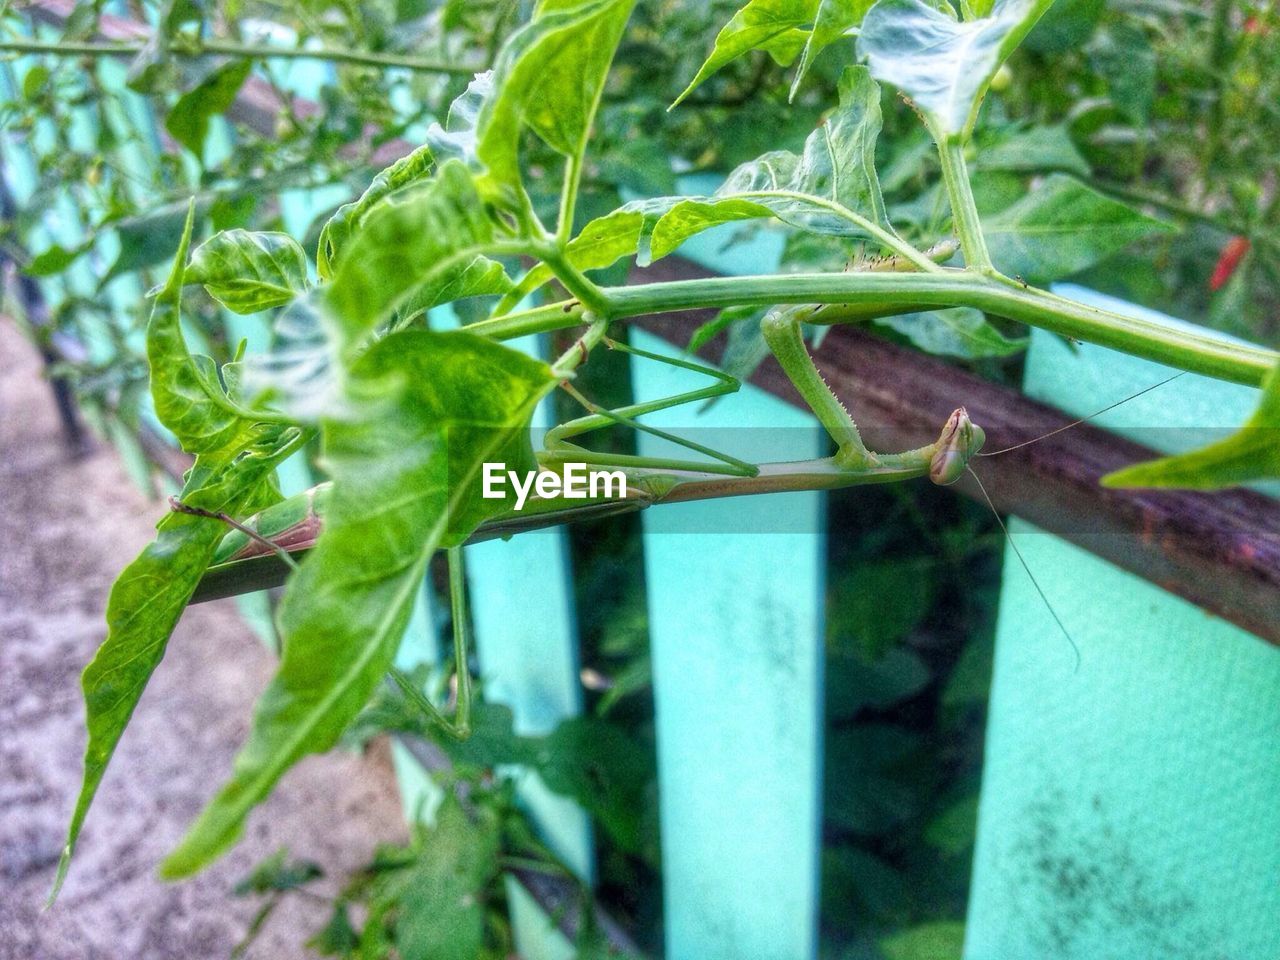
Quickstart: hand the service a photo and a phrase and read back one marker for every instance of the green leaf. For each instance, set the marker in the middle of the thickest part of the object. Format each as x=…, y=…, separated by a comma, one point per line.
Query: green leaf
x=856, y=684
x=34, y=82
x=780, y=27
x=235, y=459
x=247, y=272
x=335, y=234
x=147, y=240
x=943, y=64
x=277, y=872
x=458, y=137
x=188, y=121
x=1062, y=227
x=1251, y=453
x=834, y=19
x=605, y=770
x=953, y=830
x=431, y=408
x=412, y=240
x=55, y=259
x=955, y=332
x=442, y=897
x=836, y=167
x=870, y=781
x=876, y=604
x=548, y=78
x=1037, y=150
x=943, y=940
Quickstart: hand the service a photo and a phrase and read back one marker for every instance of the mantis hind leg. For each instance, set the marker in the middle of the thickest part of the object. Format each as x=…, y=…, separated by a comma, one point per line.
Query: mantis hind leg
x=559, y=447
x=460, y=726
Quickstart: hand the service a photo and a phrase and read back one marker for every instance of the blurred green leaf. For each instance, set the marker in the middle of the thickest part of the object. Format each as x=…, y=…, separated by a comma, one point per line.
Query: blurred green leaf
x=876, y=603
x=780, y=27
x=188, y=121
x=1251, y=453
x=34, y=82
x=147, y=239
x=276, y=873
x=1035, y=150
x=953, y=830
x=855, y=684
x=1062, y=227
x=957, y=332
x=933, y=941
x=55, y=259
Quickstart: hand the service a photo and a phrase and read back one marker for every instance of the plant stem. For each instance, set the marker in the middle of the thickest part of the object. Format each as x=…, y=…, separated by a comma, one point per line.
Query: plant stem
x=190, y=47
x=964, y=212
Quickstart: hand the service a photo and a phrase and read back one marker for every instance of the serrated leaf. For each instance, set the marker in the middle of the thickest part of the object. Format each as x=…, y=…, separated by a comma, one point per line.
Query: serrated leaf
x=334, y=235
x=433, y=407
x=956, y=332
x=235, y=460
x=548, y=79
x=188, y=121
x=943, y=64
x=1062, y=227
x=1251, y=453
x=248, y=271
x=780, y=27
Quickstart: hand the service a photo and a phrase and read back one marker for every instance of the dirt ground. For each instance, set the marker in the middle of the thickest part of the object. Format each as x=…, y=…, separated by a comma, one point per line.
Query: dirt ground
x=66, y=528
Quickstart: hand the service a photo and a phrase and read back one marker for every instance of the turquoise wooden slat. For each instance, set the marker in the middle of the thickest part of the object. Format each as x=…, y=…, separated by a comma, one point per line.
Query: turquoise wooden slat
x=735, y=621
x=1128, y=809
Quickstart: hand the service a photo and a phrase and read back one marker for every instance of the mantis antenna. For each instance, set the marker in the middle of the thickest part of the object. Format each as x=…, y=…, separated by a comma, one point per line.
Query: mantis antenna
x=1076, y=423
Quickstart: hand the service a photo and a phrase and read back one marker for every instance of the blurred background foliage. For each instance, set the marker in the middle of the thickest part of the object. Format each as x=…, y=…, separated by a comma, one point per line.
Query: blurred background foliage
x=1123, y=113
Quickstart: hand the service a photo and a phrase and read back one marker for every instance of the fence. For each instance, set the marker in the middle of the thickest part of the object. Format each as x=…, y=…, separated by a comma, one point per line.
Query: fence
x=1127, y=806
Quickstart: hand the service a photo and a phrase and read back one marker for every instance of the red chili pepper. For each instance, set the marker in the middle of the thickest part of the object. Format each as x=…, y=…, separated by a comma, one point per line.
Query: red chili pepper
x=1232, y=253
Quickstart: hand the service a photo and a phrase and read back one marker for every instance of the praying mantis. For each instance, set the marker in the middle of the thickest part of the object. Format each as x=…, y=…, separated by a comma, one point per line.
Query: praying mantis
x=293, y=525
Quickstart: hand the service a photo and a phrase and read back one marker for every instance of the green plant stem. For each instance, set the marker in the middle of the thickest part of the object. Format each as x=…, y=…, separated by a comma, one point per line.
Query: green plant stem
x=568, y=200
x=198, y=48
x=964, y=211
x=864, y=294
x=576, y=282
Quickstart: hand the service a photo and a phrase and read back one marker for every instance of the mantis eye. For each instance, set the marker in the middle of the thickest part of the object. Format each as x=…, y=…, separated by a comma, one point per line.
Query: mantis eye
x=961, y=438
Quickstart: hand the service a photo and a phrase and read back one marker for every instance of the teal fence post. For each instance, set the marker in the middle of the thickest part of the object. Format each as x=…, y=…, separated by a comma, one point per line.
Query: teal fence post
x=1128, y=808
x=736, y=631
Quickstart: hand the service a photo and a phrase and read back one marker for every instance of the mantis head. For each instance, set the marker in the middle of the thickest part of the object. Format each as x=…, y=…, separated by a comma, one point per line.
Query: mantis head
x=961, y=439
